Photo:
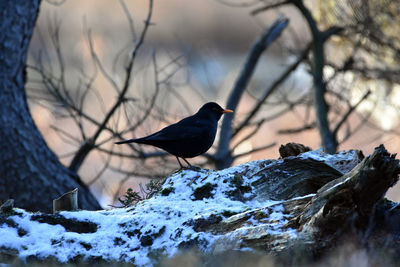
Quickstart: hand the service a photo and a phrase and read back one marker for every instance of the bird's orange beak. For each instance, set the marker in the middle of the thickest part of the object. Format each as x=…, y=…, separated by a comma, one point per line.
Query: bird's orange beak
x=227, y=111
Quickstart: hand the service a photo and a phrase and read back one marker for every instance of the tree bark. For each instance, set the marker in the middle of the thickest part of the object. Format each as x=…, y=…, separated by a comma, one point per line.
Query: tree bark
x=349, y=204
x=30, y=172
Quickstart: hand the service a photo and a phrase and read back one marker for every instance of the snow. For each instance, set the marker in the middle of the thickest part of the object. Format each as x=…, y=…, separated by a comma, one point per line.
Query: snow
x=343, y=161
x=160, y=223
x=9, y=237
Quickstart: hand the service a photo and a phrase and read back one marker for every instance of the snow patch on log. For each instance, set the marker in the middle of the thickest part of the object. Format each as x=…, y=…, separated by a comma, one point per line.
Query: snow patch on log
x=210, y=210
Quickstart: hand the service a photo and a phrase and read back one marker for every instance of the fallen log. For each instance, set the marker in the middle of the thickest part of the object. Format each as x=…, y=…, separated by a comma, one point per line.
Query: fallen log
x=309, y=200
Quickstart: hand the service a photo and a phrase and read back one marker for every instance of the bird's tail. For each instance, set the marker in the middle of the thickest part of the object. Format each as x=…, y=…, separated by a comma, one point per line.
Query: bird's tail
x=135, y=140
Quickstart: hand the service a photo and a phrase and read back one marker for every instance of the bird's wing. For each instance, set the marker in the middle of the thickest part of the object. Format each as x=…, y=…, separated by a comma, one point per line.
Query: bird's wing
x=184, y=129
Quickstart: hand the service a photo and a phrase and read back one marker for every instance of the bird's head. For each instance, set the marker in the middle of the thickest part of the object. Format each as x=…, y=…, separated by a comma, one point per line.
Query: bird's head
x=214, y=110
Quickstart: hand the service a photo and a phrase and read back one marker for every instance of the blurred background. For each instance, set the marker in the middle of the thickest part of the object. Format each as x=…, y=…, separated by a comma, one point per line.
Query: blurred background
x=192, y=53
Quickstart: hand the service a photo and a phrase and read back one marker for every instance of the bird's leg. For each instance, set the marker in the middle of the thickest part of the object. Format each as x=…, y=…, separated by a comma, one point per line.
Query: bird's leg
x=190, y=165
x=194, y=168
x=180, y=164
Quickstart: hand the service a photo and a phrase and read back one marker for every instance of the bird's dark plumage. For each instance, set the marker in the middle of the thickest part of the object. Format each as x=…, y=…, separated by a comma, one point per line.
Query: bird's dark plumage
x=189, y=137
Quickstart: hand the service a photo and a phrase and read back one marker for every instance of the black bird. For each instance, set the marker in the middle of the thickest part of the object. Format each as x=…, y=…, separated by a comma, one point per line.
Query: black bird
x=189, y=137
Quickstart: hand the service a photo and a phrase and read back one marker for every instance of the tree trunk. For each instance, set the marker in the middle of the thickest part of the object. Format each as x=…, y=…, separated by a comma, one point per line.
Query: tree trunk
x=328, y=138
x=29, y=172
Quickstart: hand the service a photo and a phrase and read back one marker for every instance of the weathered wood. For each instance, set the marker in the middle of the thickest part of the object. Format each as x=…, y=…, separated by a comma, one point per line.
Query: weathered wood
x=68, y=201
x=292, y=149
x=343, y=206
x=349, y=206
x=7, y=206
x=293, y=177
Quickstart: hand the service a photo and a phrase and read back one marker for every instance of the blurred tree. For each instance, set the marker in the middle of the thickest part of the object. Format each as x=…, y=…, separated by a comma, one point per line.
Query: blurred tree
x=224, y=157
x=140, y=111
x=358, y=66
x=128, y=114
x=328, y=138
x=30, y=173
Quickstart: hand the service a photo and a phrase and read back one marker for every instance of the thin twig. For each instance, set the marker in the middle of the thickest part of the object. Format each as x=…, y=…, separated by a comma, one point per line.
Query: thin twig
x=84, y=150
x=270, y=90
x=267, y=7
x=350, y=111
x=254, y=150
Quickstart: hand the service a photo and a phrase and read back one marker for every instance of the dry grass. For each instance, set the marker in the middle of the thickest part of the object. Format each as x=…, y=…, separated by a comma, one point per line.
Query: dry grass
x=347, y=254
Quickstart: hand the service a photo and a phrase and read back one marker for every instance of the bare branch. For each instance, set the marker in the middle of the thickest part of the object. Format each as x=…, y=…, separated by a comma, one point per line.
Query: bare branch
x=363, y=123
x=153, y=99
x=130, y=20
x=303, y=128
x=254, y=150
x=56, y=2
x=251, y=134
x=103, y=169
x=65, y=136
x=241, y=4
x=349, y=112
x=268, y=7
x=328, y=139
x=223, y=159
x=84, y=150
x=100, y=64
x=270, y=90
